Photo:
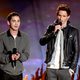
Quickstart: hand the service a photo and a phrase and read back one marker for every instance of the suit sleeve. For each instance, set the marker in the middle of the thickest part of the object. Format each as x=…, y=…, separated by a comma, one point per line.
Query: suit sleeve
x=49, y=34
x=76, y=50
x=4, y=57
x=25, y=53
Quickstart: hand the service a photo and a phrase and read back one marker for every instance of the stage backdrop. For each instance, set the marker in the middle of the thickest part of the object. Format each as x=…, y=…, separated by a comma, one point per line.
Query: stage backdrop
x=36, y=15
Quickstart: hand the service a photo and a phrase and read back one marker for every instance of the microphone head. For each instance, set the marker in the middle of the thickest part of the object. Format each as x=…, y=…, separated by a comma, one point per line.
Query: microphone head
x=58, y=22
x=14, y=50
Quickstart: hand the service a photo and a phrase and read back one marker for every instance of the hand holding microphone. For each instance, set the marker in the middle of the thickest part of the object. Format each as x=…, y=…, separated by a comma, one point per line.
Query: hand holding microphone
x=14, y=57
x=58, y=25
x=57, y=28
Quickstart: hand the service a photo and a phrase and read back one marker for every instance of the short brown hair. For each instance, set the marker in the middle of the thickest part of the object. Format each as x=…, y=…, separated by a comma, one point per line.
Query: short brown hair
x=10, y=15
x=64, y=7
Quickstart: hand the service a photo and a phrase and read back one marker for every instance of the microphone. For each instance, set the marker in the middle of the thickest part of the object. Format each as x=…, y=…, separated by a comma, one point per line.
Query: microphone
x=58, y=22
x=14, y=62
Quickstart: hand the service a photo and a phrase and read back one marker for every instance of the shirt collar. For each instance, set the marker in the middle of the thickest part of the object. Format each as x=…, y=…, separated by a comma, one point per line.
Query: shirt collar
x=9, y=34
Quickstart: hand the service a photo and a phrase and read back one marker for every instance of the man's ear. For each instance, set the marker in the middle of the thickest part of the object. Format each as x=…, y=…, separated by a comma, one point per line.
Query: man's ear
x=68, y=16
x=8, y=22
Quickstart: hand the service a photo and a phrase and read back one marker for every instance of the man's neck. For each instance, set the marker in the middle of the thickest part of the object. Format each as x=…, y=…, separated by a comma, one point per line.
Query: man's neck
x=13, y=33
x=64, y=25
